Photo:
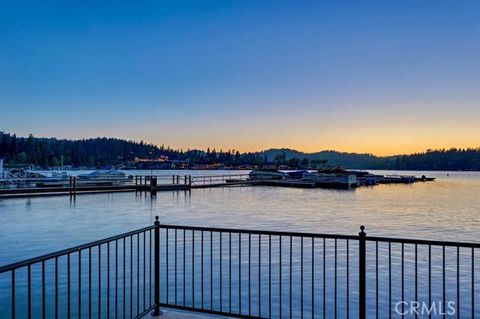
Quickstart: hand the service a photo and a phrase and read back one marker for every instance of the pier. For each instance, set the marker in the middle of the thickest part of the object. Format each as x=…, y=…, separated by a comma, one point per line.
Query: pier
x=138, y=183
x=157, y=183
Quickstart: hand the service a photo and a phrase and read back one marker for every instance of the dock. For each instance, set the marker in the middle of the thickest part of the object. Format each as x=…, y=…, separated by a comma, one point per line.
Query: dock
x=139, y=183
x=157, y=183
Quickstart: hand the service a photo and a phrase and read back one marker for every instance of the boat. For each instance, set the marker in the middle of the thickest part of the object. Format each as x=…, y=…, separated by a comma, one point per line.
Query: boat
x=266, y=174
x=296, y=174
x=365, y=178
x=341, y=181
x=103, y=178
x=397, y=179
x=58, y=179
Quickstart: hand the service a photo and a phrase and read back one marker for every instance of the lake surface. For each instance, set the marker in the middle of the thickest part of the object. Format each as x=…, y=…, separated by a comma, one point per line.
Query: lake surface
x=447, y=209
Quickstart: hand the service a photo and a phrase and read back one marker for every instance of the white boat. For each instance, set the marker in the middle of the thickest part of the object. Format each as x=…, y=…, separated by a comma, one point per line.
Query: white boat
x=266, y=174
x=342, y=181
x=103, y=177
x=57, y=179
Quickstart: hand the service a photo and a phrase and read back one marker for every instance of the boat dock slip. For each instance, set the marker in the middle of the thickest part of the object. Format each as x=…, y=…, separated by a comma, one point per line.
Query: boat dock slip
x=72, y=185
x=142, y=183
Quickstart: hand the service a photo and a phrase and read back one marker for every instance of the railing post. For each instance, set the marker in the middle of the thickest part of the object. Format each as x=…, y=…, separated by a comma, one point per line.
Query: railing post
x=362, y=270
x=156, y=309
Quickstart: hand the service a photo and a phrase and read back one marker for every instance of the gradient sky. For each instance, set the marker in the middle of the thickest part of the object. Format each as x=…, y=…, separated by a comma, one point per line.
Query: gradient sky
x=384, y=77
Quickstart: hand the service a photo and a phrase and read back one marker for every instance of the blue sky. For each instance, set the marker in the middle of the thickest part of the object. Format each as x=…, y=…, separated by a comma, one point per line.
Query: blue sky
x=369, y=76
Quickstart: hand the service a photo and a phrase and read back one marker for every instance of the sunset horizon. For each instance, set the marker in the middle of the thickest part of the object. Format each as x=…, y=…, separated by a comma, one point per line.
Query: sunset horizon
x=379, y=77
x=296, y=147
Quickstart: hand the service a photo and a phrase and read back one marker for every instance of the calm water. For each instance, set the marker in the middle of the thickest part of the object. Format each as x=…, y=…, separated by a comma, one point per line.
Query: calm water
x=448, y=209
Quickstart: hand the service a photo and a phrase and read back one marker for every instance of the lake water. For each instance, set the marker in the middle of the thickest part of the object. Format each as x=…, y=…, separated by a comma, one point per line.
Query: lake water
x=447, y=209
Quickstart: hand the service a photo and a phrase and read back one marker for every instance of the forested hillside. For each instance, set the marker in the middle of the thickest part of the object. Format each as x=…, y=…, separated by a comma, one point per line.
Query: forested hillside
x=94, y=152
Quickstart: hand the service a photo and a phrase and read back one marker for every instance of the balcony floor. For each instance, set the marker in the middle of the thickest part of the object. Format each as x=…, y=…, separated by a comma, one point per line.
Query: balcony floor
x=180, y=314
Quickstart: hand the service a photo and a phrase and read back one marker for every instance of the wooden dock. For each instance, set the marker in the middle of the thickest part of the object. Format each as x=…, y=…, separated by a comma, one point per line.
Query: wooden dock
x=159, y=183
x=149, y=183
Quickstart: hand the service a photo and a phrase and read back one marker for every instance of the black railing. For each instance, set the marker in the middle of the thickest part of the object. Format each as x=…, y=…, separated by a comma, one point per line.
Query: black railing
x=110, y=278
x=246, y=273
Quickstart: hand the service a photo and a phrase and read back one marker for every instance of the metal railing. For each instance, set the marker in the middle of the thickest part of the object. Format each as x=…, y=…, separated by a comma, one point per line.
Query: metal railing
x=217, y=179
x=246, y=273
x=106, y=278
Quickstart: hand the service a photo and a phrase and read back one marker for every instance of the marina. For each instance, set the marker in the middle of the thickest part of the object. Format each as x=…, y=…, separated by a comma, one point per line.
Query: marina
x=31, y=183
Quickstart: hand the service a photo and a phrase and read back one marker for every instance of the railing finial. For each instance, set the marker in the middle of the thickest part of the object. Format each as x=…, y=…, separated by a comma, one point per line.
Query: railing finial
x=362, y=231
x=156, y=223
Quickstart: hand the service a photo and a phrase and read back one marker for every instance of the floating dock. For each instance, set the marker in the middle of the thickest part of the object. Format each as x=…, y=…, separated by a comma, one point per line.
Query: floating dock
x=159, y=183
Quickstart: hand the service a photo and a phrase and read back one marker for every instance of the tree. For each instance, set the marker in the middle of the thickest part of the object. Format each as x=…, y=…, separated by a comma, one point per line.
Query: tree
x=305, y=163
x=21, y=158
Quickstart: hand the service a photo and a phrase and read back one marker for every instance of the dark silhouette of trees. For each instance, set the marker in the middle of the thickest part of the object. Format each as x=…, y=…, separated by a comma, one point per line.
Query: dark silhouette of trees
x=94, y=152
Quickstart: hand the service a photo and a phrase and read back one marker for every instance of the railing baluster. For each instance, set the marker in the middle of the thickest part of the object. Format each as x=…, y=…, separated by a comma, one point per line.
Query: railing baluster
x=376, y=279
x=280, y=275
x=116, y=279
x=403, y=280
x=13, y=294
x=108, y=280
x=239, y=273
x=43, y=290
x=29, y=293
x=249, y=275
x=99, y=281
x=176, y=299
x=79, y=284
x=473, y=283
x=89, y=282
x=68, y=286
x=362, y=273
x=230, y=272
x=458, y=282
x=167, y=272
x=301, y=277
x=131, y=276
x=416, y=277
x=150, y=267
x=193, y=268
x=270, y=276
x=138, y=273
x=183, y=267
x=348, y=280
x=156, y=309
x=443, y=281
x=313, y=277
x=335, y=280
x=324, y=279
x=211, y=270
x=144, y=269
x=259, y=275
x=201, y=267
x=429, y=278
x=290, y=280
x=389, y=280
x=124, y=300
x=220, y=236
x=56, y=287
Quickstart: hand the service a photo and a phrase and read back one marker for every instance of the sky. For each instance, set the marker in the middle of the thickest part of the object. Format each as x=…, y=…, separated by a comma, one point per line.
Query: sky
x=381, y=77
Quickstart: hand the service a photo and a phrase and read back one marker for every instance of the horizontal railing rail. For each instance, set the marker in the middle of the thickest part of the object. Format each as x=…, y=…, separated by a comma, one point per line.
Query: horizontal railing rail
x=247, y=273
